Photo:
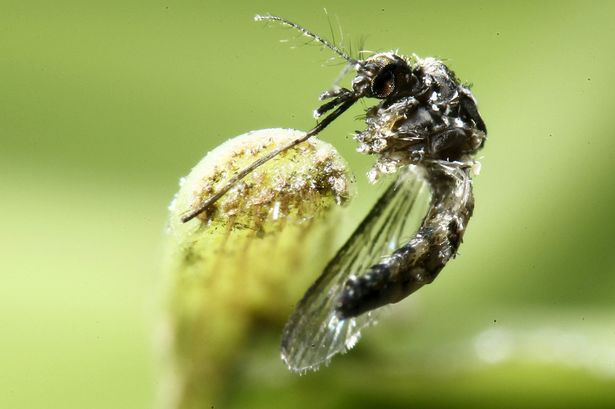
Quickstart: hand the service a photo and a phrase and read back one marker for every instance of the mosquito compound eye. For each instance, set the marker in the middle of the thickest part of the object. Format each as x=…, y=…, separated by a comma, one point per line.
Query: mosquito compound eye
x=384, y=83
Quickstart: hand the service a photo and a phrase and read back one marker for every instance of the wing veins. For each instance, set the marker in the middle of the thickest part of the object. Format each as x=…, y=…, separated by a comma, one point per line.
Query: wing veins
x=314, y=333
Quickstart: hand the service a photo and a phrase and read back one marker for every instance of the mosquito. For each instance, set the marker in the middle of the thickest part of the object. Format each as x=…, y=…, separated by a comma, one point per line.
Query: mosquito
x=426, y=129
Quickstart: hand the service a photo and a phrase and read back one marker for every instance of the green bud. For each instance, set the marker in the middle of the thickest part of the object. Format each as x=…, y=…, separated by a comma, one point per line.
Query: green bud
x=244, y=263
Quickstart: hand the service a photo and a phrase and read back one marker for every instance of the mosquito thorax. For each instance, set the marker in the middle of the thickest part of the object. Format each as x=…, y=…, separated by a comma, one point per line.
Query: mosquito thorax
x=425, y=113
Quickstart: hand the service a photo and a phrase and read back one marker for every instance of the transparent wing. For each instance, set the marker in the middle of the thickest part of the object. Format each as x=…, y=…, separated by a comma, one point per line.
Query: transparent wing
x=314, y=333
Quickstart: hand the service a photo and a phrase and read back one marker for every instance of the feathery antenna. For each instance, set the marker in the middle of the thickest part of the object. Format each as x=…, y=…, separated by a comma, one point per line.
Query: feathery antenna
x=308, y=34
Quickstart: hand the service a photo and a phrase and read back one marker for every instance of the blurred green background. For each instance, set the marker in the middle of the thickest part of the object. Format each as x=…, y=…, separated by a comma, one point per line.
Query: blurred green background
x=104, y=105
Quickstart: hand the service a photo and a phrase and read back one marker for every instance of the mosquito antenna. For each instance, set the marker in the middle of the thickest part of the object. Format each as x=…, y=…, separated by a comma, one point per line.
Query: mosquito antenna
x=245, y=171
x=331, y=29
x=309, y=34
x=342, y=41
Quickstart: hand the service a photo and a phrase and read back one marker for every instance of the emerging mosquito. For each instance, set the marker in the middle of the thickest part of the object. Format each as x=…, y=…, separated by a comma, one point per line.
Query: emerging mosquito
x=426, y=128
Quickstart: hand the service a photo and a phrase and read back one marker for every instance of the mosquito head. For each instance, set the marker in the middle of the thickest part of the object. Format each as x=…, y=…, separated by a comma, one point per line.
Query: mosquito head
x=384, y=76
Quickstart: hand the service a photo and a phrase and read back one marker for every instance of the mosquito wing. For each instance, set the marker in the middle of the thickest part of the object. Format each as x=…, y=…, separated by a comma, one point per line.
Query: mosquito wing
x=314, y=333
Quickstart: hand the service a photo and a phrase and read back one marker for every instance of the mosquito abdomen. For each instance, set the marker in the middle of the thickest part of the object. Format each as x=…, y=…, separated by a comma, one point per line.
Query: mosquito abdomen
x=419, y=261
